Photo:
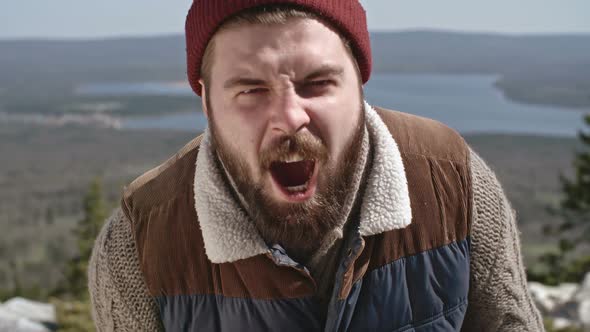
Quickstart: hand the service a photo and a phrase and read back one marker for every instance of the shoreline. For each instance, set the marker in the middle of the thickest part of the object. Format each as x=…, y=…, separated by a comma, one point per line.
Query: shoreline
x=111, y=122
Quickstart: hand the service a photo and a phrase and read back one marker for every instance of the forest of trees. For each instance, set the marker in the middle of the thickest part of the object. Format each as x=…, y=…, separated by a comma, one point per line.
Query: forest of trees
x=71, y=296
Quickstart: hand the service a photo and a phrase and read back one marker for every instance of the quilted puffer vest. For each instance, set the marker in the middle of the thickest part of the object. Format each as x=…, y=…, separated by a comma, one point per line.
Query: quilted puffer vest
x=410, y=279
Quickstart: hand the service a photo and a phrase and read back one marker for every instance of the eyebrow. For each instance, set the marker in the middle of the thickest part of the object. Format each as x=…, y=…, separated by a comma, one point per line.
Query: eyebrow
x=325, y=70
x=242, y=81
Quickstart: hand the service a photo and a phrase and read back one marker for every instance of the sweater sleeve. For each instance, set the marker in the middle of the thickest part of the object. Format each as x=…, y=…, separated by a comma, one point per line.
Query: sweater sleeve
x=498, y=295
x=119, y=297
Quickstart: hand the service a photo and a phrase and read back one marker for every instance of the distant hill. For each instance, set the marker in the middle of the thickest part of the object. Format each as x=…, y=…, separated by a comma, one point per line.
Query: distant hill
x=538, y=69
x=29, y=67
x=434, y=51
x=553, y=69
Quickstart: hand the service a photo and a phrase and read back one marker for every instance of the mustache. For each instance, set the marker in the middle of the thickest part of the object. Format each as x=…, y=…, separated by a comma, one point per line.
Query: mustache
x=303, y=143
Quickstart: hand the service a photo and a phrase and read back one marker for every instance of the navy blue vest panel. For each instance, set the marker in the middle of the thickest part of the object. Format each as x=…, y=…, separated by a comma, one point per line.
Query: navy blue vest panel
x=219, y=313
x=415, y=293
x=424, y=292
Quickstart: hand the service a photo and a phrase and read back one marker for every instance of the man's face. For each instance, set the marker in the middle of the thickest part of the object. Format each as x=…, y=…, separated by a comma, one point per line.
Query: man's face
x=285, y=110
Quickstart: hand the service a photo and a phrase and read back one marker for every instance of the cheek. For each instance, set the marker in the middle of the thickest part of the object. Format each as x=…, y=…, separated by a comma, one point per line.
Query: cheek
x=336, y=123
x=243, y=132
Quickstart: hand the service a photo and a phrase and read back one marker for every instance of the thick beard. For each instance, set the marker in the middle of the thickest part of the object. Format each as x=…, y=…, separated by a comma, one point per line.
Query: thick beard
x=297, y=227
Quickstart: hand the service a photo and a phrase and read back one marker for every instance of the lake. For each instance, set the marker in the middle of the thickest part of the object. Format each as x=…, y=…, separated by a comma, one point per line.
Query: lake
x=468, y=103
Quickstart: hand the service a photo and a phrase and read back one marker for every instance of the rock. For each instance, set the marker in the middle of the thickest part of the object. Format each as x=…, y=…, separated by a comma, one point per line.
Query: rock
x=20, y=325
x=584, y=313
x=562, y=323
x=22, y=315
x=584, y=291
x=6, y=315
x=32, y=310
x=568, y=310
x=568, y=305
x=548, y=298
x=583, y=297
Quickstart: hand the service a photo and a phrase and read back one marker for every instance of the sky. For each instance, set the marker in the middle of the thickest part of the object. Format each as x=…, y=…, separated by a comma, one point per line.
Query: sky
x=81, y=19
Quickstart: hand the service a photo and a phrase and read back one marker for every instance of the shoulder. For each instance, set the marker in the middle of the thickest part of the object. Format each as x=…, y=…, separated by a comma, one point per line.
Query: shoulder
x=418, y=135
x=491, y=205
x=163, y=181
x=494, y=229
x=111, y=246
x=117, y=291
x=498, y=296
x=114, y=235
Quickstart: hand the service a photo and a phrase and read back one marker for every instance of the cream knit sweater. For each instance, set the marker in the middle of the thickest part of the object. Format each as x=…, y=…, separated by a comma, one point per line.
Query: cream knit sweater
x=498, y=296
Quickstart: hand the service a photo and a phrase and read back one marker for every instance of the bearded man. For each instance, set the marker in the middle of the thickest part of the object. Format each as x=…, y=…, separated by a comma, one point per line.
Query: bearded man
x=302, y=207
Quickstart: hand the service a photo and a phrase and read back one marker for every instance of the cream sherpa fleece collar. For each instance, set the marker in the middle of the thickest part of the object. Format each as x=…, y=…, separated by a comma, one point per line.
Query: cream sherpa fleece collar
x=228, y=233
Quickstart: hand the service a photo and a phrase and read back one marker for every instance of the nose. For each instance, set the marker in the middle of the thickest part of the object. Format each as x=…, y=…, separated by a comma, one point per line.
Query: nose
x=290, y=114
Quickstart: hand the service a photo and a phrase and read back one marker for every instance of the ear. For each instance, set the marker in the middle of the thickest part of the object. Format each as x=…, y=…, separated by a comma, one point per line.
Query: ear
x=204, y=99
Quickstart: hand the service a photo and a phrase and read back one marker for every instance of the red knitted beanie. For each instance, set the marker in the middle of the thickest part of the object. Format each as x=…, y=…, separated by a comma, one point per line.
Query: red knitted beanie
x=205, y=16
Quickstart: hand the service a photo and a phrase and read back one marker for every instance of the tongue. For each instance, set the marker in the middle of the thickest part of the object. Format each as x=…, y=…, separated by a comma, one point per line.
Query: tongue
x=292, y=174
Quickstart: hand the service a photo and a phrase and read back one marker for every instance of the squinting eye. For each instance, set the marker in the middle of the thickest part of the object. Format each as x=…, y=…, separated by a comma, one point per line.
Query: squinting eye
x=253, y=91
x=320, y=83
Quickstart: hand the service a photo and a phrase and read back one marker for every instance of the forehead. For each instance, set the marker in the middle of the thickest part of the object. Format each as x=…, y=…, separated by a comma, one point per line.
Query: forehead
x=299, y=45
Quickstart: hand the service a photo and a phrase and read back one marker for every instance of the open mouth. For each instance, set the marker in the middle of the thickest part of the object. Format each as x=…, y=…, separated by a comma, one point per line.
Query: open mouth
x=295, y=178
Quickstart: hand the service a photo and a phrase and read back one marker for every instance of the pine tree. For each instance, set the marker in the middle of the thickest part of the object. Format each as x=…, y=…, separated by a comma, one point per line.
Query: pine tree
x=86, y=232
x=577, y=191
x=575, y=231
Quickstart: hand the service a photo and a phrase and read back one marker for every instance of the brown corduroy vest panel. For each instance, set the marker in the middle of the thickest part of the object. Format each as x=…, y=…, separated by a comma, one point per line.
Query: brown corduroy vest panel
x=160, y=205
x=436, y=162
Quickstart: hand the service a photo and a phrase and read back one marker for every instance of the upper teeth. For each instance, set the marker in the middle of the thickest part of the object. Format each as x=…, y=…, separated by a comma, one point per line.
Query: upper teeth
x=294, y=158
